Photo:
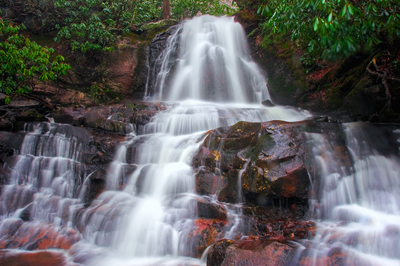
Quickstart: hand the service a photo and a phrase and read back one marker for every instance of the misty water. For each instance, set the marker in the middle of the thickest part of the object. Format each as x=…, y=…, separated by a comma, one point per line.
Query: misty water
x=212, y=82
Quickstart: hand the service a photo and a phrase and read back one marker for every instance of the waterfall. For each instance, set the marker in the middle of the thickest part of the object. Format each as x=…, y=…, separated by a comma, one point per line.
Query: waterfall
x=214, y=83
x=45, y=175
x=360, y=203
x=148, y=208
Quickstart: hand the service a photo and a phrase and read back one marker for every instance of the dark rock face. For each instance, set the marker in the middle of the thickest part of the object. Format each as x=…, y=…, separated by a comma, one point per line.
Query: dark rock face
x=118, y=118
x=210, y=210
x=155, y=53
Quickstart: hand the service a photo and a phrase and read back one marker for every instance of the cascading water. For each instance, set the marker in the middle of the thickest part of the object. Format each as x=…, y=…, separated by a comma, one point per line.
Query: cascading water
x=359, y=204
x=46, y=173
x=213, y=65
x=207, y=80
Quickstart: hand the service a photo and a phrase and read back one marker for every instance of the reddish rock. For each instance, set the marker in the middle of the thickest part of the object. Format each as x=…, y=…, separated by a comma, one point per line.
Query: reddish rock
x=208, y=183
x=204, y=233
x=334, y=257
x=251, y=252
x=41, y=258
x=36, y=236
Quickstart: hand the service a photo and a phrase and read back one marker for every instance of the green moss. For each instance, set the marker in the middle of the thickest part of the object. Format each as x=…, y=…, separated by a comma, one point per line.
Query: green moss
x=141, y=106
x=279, y=86
x=265, y=142
x=334, y=98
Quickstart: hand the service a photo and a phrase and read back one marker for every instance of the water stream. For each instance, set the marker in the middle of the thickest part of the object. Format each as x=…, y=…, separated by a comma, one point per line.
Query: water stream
x=149, y=207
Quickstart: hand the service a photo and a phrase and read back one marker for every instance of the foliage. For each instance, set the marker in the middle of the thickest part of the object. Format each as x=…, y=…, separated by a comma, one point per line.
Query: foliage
x=95, y=25
x=310, y=63
x=100, y=94
x=22, y=62
x=189, y=8
x=331, y=28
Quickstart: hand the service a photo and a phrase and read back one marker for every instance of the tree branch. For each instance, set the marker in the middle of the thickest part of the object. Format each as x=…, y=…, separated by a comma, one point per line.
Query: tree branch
x=383, y=75
x=32, y=97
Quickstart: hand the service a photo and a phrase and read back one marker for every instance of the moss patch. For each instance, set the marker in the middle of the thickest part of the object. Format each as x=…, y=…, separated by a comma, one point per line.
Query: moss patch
x=265, y=142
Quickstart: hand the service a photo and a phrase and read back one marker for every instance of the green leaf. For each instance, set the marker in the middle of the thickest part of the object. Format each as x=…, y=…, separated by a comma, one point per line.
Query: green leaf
x=330, y=17
x=350, y=9
x=316, y=24
x=344, y=10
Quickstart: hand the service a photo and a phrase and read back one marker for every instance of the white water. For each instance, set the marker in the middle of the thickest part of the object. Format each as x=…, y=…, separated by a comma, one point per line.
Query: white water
x=144, y=217
x=360, y=204
x=48, y=170
x=215, y=84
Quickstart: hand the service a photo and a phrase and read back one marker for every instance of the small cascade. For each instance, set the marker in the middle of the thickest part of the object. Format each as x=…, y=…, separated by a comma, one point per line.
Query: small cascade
x=360, y=204
x=46, y=177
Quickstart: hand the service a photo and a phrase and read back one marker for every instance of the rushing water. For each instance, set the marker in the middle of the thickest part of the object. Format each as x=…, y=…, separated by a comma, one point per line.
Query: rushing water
x=359, y=206
x=149, y=207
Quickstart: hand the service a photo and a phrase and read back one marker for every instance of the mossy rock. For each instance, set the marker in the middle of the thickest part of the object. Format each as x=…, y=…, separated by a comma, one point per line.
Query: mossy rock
x=265, y=142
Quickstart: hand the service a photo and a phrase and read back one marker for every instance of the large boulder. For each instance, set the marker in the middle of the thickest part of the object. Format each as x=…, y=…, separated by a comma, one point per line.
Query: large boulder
x=257, y=161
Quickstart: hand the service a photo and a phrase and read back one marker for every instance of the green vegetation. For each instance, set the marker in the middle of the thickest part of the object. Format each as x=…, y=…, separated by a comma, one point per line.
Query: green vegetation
x=95, y=25
x=88, y=27
x=189, y=8
x=24, y=63
x=103, y=95
x=330, y=29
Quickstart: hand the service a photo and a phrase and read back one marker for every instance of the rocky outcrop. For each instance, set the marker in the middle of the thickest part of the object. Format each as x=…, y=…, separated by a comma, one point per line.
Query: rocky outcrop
x=261, y=162
x=118, y=118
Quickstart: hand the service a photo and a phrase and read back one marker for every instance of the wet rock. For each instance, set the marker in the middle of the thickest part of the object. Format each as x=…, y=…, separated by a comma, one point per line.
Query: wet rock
x=133, y=149
x=208, y=183
x=40, y=258
x=37, y=236
x=98, y=182
x=16, y=197
x=253, y=252
x=119, y=118
x=154, y=53
x=255, y=160
x=101, y=149
x=333, y=257
x=10, y=144
x=204, y=233
x=210, y=210
x=268, y=103
x=232, y=191
x=217, y=253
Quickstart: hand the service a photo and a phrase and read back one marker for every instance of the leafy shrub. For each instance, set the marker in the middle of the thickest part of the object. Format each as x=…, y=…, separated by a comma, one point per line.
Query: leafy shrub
x=23, y=62
x=189, y=8
x=331, y=28
x=95, y=26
